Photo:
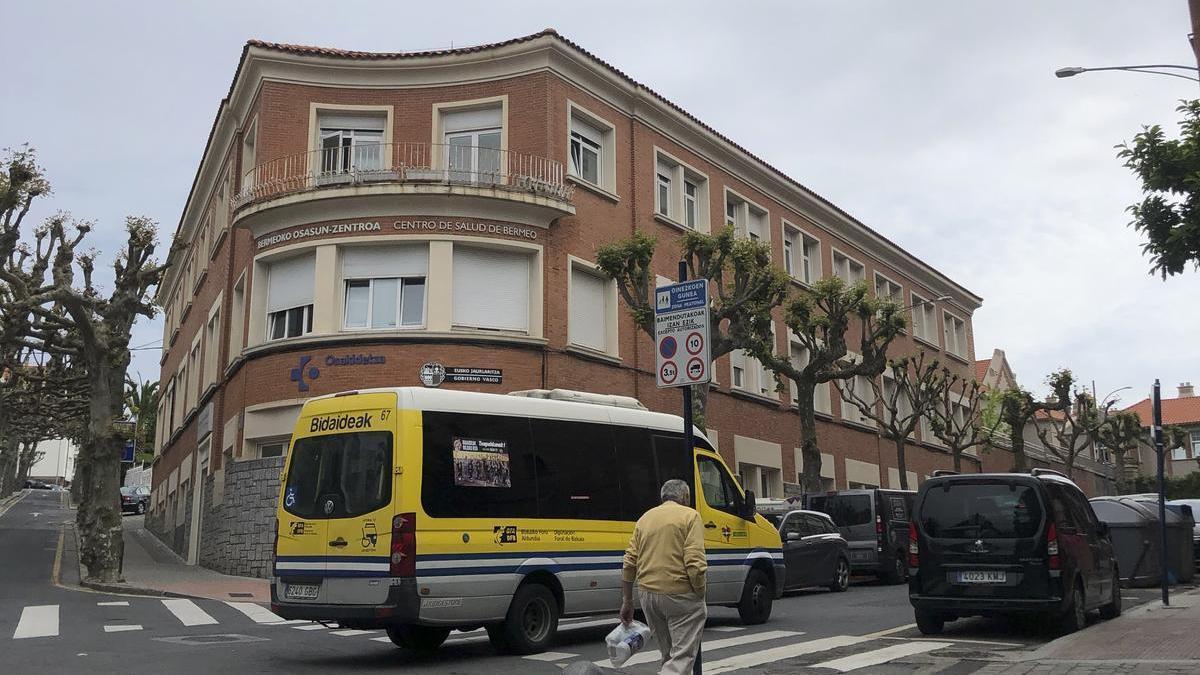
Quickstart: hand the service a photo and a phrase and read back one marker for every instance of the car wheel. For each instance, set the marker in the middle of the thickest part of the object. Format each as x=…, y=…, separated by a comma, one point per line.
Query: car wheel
x=757, y=598
x=1113, y=609
x=531, y=622
x=930, y=623
x=1074, y=616
x=898, y=573
x=418, y=638
x=141, y=508
x=841, y=576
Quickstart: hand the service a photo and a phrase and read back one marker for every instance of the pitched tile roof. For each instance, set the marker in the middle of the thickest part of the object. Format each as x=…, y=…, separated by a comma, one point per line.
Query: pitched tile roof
x=981, y=368
x=1185, y=410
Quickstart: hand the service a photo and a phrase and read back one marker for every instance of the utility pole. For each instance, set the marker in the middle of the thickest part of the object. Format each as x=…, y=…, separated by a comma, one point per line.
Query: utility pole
x=1162, y=494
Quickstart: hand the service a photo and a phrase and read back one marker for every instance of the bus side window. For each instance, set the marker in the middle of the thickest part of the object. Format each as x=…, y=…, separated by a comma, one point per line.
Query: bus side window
x=502, y=485
x=635, y=472
x=574, y=470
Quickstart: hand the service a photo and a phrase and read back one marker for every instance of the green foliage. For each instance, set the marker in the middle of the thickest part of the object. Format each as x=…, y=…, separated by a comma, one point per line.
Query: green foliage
x=630, y=263
x=141, y=401
x=1177, y=487
x=990, y=415
x=1169, y=214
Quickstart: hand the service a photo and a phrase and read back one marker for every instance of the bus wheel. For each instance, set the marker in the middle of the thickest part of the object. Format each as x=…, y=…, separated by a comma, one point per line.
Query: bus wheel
x=755, y=607
x=418, y=638
x=531, y=622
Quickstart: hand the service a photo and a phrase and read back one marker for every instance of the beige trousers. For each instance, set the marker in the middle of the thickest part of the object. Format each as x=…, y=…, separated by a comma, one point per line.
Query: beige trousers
x=677, y=622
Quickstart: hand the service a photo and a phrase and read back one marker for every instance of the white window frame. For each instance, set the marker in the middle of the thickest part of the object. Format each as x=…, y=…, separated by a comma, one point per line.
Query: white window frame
x=663, y=191
x=822, y=400
x=744, y=210
x=306, y=321
x=850, y=411
x=920, y=304
x=897, y=297
x=260, y=443
x=849, y=263
x=678, y=176
x=611, y=319
x=212, y=345
x=400, y=284
x=237, y=319
x=315, y=136
x=959, y=347
x=607, y=184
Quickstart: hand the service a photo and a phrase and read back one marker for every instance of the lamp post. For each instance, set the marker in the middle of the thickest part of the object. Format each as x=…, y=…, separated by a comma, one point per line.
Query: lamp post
x=1072, y=71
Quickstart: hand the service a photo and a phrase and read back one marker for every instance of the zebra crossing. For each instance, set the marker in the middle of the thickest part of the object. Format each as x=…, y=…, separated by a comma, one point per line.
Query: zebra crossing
x=726, y=648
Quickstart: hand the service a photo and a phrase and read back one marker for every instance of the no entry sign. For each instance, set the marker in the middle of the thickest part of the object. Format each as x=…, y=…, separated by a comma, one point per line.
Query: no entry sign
x=681, y=333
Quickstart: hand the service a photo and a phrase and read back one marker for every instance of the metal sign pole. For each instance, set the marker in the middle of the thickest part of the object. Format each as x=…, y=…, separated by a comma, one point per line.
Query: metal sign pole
x=688, y=440
x=1162, y=494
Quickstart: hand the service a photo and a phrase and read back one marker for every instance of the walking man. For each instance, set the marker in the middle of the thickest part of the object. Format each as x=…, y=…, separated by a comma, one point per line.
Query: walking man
x=666, y=559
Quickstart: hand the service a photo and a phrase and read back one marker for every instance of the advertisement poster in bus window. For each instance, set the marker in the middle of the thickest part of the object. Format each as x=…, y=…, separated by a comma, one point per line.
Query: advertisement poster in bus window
x=480, y=462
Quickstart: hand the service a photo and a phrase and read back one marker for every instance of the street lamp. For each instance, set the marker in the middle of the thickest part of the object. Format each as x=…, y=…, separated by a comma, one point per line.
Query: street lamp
x=1072, y=71
x=939, y=298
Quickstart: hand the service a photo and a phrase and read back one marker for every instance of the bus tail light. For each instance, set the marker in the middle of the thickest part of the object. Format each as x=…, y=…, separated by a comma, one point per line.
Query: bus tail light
x=403, y=561
x=1052, y=546
x=914, y=559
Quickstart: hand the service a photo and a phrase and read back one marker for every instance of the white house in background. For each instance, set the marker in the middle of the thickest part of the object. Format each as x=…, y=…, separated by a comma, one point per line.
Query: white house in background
x=58, y=462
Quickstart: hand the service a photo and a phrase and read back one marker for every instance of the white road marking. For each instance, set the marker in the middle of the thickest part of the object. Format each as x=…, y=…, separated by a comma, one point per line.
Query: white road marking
x=550, y=656
x=311, y=626
x=257, y=613
x=382, y=639
x=121, y=628
x=890, y=631
x=588, y=624
x=652, y=655
x=120, y=603
x=37, y=621
x=726, y=629
x=967, y=641
x=188, y=612
x=765, y=656
x=878, y=656
x=351, y=632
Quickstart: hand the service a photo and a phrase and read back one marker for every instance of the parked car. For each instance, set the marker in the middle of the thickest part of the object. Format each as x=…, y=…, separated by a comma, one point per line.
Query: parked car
x=135, y=499
x=37, y=485
x=874, y=523
x=1009, y=544
x=814, y=552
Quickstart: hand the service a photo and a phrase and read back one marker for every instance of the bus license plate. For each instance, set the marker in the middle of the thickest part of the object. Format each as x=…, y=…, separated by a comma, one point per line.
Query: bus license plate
x=302, y=591
x=982, y=577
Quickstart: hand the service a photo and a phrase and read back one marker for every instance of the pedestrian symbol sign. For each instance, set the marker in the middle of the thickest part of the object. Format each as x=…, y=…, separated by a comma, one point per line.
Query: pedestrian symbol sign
x=681, y=333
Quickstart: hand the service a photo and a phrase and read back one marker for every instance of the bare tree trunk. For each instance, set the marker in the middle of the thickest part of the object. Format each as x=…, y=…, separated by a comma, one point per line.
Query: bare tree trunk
x=27, y=459
x=901, y=463
x=99, y=513
x=8, y=454
x=1119, y=456
x=700, y=405
x=956, y=457
x=1020, y=463
x=810, y=478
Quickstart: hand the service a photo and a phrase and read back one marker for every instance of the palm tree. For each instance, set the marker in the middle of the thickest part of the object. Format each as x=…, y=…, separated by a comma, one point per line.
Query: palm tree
x=141, y=401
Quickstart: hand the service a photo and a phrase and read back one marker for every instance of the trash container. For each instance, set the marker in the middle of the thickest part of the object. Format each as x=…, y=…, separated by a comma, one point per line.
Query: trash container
x=1194, y=505
x=1134, y=532
x=1180, y=565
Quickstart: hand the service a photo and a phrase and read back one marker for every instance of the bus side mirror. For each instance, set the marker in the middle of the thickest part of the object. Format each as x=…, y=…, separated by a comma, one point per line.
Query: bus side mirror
x=749, y=506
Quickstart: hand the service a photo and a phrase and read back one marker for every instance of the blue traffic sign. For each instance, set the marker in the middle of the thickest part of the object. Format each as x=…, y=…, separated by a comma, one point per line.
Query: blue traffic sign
x=683, y=295
x=127, y=452
x=667, y=347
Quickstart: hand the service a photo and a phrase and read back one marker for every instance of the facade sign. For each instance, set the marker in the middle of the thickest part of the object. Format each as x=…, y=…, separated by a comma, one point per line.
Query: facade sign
x=127, y=452
x=681, y=334
x=434, y=374
x=307, y=370
x=125, y=428
x=445, y=226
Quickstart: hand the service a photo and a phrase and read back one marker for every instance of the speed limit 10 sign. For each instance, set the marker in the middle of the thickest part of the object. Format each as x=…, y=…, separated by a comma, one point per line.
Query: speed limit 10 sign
x=681, y=333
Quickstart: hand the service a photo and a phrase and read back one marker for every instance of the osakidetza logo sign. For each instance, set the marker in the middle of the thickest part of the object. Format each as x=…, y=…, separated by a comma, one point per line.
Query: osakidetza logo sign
x=340, y=422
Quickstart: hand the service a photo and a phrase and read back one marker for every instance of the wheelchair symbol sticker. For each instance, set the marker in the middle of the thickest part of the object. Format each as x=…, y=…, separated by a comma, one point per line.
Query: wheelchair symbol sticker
x=290, y=498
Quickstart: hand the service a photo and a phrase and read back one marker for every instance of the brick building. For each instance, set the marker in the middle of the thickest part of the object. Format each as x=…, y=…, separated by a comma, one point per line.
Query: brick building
x=358, y=215
x=1183, y=411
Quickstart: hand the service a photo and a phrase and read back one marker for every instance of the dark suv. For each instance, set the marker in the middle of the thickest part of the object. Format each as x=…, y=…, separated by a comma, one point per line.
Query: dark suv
x=874, y=523
x=1009, y=544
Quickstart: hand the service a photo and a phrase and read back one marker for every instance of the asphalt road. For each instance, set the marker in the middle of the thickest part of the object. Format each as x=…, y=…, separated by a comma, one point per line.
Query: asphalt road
x=52, y=628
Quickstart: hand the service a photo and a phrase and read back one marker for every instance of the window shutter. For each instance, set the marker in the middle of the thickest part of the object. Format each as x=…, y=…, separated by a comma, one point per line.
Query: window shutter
x=589, y=313
x=290, y=283
x=361, y=262
x=586, y=130
x=351, y=121
x=465, y=120
x=491, y=289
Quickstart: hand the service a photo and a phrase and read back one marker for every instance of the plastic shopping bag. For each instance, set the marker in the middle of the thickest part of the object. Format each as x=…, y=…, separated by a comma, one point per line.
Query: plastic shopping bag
x=626, y=640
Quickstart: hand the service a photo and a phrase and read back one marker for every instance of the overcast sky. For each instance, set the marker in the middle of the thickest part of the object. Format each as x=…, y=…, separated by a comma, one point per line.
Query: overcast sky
x=939, y=124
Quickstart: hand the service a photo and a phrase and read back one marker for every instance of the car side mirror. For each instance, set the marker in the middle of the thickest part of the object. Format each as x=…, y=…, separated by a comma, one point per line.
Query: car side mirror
x=748, y=510
x=793, y=536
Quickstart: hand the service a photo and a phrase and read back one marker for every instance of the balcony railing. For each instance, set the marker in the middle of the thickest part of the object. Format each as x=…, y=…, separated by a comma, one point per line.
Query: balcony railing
x=412, y=163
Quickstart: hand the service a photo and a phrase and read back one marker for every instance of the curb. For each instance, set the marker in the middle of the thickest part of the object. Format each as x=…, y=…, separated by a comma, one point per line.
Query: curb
x=1049, y=647
x=7, y=502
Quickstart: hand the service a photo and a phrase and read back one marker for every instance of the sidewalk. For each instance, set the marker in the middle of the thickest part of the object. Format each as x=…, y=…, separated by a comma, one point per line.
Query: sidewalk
x=151, y=568
x=1147, y=639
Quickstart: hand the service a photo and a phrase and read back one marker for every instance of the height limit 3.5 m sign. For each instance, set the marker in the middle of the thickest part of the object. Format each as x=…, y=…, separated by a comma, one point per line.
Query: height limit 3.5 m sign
x=681, y=333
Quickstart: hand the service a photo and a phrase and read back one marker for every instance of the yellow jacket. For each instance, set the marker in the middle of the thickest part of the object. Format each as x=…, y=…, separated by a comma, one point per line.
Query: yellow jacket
x=666, y=552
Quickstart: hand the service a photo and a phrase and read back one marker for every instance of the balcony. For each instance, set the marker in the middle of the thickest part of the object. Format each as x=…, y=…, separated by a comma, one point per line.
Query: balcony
x=475, y=174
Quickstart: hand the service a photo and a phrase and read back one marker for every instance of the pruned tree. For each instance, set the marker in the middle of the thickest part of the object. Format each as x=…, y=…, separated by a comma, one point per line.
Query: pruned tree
x=1169, y=214
x=1120, y=433
x=1071, y=429
x=53, y=283
x=1018, y=407
x=743, y=289
x=904, y=398
x=820, y=319
x=956, y=417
